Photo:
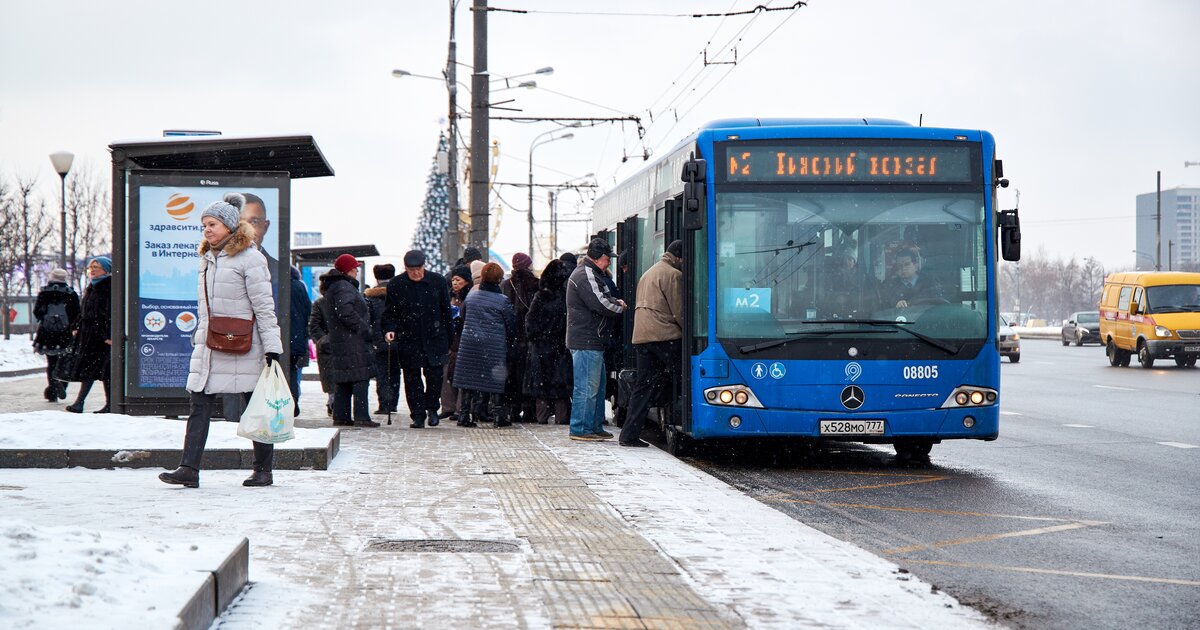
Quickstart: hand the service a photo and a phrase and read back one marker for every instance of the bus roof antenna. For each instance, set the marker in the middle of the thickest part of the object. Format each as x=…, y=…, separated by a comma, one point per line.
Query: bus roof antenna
x=921, y=120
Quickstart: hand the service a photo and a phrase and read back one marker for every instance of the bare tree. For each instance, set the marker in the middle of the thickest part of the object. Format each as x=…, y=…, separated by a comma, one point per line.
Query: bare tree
x=89, y=219
x=10, y=251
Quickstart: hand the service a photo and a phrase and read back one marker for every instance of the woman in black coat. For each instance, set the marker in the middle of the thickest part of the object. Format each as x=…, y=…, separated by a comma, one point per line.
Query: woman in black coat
x=548, y=376
x=352, y=358
x=57, y=311
x=92, y=331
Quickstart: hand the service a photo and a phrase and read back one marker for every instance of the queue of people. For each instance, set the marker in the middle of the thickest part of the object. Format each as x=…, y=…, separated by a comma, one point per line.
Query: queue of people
x=473, y=347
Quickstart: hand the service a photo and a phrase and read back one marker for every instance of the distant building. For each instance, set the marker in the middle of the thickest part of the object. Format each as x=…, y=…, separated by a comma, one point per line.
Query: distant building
x=1180, y=230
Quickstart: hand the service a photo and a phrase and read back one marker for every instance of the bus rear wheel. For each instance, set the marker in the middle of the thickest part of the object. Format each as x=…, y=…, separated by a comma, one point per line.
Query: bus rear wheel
x=914, y=451
x=1116, y=356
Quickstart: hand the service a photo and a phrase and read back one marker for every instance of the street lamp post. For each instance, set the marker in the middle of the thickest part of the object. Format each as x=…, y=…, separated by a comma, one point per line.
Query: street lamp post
x=534, y=145
x=62, y=165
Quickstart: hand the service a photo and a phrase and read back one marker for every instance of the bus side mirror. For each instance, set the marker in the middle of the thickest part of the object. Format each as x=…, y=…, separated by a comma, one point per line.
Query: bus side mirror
x=694, y=193
x=1010, y=234
x=1134, y=307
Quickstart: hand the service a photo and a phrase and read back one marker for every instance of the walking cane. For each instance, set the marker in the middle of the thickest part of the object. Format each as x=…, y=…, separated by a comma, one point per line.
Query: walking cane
x=389, y=378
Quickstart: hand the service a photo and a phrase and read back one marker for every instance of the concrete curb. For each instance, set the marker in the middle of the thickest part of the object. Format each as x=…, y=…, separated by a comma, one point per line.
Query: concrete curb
x=317, y=458
x=219, y=589
x=24, y=372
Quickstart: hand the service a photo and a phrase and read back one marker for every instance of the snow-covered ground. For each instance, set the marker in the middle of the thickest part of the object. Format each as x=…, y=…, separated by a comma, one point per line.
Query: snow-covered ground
x=60, y=429
x=76, y=576
x=17, y=354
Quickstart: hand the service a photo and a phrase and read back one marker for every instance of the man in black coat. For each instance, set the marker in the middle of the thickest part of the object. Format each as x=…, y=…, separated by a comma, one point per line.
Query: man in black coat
x=417, y=318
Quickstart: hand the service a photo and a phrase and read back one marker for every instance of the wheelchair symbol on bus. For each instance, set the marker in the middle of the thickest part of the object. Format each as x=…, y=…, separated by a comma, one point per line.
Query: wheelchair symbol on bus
x=759, y=370
x=777, y=370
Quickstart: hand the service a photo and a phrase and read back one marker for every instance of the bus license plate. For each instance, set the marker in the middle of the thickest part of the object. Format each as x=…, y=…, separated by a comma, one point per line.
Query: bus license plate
x=852, y=427
x=1191, y=348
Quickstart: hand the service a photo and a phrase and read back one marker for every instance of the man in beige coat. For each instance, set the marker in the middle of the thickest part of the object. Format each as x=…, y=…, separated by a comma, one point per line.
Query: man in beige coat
x=657, y=335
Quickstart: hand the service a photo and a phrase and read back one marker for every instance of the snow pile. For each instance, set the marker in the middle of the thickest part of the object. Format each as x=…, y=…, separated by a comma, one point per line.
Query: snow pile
x=73, y=577
x=17, y=354
x=60, y=429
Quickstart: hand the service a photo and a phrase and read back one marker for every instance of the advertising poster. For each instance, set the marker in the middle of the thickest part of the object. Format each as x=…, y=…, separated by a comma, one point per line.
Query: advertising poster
x=164, y=287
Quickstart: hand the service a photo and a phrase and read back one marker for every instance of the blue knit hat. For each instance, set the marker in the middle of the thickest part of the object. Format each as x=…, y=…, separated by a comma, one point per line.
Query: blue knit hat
x=228, y=211
x=104, y=261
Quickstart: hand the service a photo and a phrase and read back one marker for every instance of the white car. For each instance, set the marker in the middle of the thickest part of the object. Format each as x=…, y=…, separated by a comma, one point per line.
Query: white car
x=1009, y=342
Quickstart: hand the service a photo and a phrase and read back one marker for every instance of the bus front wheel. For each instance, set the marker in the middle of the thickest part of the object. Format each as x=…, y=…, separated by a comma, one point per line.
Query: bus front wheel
x=678, y=444
x=913, y=451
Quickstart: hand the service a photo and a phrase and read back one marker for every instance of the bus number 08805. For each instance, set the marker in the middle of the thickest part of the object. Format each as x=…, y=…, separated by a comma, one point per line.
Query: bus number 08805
x=920, y=371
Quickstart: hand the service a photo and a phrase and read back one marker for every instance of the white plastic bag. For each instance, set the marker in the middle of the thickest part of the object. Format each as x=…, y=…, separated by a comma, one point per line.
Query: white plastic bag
x=268, y=415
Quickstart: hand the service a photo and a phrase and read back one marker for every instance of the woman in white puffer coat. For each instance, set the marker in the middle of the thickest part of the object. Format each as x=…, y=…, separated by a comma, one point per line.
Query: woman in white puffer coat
x=238, y=281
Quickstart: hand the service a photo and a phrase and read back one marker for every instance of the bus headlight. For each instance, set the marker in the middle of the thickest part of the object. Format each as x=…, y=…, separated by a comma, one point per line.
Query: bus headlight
x=1162, y=331
x=970, y=396
x=732, y=396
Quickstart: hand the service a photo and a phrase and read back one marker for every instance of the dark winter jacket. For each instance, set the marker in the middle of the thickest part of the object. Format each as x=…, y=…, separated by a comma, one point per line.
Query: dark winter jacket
x=376, y=305
x=48, y=342
x=457, y=307
x=520, y=289
x=352, y=358
x=419, y=314
x=93, y=329
x=298, y=332
x=591, y=308
x=548, y=373
x=318, y=331
x=487, y=336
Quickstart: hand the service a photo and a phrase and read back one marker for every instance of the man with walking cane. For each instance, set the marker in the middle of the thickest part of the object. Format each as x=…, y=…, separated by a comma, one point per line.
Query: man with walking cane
x=417, y=319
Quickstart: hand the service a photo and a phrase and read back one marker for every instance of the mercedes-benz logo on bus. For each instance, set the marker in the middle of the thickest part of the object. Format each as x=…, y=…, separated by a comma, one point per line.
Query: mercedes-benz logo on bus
x=853, y=397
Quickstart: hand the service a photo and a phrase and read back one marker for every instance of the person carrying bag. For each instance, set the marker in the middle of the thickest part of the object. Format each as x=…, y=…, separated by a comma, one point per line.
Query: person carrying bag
x=227, y=359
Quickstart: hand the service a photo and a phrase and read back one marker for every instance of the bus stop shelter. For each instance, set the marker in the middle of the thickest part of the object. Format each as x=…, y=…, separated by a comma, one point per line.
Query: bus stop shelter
x=159, y=188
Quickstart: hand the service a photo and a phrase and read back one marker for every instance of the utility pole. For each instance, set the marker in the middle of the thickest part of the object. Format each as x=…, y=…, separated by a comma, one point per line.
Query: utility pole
x=1158, y=224
x=451, y=243
x=480, y=132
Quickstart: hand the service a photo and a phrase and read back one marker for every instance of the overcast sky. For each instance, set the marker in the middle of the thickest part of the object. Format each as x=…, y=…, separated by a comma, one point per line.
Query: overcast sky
x=1086, y=99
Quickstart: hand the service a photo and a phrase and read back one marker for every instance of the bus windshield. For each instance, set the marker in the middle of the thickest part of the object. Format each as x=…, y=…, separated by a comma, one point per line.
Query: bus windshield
x=835, y=265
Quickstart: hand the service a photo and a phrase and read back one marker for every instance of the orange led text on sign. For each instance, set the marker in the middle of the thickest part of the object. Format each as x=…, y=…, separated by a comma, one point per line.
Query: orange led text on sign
x=908, y=165
x=815, y=165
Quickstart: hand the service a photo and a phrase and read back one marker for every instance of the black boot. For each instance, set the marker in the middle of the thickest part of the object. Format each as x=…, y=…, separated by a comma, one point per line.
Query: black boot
x=259, y=478
x=182, y=476
x=50, y=393
x=77, y=406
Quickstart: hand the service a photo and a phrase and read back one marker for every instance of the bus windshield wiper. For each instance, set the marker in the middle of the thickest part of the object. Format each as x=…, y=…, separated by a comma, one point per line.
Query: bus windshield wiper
x=894, y=325
x=775, y=343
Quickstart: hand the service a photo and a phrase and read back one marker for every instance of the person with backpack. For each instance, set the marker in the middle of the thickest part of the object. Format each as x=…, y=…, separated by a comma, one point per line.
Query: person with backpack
x=57, y=310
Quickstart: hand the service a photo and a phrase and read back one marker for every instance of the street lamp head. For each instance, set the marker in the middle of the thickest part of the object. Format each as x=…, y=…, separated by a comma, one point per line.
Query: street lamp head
x=401, y=73
x=547, y=70
x=62, y=162
x=566, y=136
x=529, y=85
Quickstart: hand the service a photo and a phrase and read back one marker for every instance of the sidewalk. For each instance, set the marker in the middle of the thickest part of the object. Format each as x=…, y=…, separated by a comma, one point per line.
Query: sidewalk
x=517, y=527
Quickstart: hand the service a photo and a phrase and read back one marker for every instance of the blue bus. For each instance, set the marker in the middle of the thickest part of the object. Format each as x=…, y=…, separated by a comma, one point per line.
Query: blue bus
x=840, y=279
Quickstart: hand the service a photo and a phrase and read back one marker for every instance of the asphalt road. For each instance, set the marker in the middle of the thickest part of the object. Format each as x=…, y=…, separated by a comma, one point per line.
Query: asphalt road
x=1084, y=514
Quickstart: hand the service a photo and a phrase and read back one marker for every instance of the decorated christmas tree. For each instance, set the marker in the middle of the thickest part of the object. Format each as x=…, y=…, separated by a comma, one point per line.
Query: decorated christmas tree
x=435, y=215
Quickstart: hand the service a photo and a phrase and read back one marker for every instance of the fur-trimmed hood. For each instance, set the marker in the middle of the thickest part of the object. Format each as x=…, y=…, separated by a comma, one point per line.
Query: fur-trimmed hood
x=374, y=292
x=242, y=239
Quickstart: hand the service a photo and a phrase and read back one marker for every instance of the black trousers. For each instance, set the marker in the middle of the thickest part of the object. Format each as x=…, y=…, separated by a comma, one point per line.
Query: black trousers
x=657, y=361
x=423, y=396
x=477, y=406
x=59, y=386
x=342, y=395
x=201, y=417
x=387, y=381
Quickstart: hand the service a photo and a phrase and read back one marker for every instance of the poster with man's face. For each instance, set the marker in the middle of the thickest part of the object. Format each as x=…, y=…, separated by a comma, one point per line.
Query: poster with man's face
x=166, y=294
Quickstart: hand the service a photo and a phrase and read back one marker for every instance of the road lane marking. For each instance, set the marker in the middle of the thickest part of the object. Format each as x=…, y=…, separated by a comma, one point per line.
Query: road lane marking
x=1080, y=426
x=780, y=498
x=1103, y=576
x=1010, y=413
x=1178, y=444
x=1120, y=389
x=987, y=538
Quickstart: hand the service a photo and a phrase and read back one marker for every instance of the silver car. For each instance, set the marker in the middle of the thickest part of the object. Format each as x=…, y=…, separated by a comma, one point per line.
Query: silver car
x=1009, y=342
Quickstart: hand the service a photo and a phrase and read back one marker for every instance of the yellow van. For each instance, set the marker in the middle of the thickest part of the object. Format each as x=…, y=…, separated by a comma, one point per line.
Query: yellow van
x=1153, y=314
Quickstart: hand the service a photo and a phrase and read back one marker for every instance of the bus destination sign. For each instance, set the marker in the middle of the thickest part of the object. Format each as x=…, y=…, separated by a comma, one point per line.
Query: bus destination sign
x=847, y=163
